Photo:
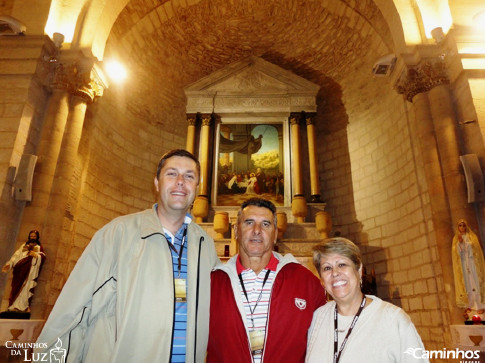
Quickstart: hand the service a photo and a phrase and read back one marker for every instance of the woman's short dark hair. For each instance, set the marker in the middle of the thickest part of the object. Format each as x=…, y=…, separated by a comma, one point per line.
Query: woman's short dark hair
x=338, y=246
x=177, y=152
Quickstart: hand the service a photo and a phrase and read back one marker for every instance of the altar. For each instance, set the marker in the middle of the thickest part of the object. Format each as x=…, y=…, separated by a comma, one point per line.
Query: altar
x=251, y=125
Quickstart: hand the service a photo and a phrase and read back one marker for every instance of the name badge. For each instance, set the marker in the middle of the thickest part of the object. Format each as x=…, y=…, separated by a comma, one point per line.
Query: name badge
x=180, y=289
x=256, y=338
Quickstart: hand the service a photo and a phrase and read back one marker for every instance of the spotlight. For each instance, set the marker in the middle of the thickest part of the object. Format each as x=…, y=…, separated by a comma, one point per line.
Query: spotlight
x=116, y=71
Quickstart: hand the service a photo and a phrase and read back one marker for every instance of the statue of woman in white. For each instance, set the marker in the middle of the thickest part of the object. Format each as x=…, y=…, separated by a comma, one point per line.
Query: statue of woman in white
x=468, y=268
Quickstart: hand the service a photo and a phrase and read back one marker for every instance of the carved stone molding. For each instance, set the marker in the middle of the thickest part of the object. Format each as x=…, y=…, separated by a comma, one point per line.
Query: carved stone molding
x=254, y=86
x=86, y=84
x=62, y=75
x=422, y=78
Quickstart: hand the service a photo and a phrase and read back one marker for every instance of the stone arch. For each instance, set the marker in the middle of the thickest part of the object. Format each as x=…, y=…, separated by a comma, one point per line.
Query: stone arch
x=88, y=25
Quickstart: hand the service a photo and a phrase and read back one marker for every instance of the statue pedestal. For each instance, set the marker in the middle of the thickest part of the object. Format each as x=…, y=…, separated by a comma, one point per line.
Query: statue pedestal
x=14, y=332
x=469, y=337
x=20, y=330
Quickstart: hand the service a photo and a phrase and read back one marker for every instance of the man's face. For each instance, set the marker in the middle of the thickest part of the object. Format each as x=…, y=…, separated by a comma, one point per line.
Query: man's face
x=256, y=232
x=176, y=185
x=32, y=236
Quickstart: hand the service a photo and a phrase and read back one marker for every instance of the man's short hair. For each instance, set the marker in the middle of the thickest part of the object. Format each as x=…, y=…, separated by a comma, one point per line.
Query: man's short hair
x=258, y=202
x=177, y=152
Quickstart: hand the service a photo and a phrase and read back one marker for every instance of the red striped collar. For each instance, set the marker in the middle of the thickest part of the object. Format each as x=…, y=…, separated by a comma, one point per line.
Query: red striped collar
x=272, y=264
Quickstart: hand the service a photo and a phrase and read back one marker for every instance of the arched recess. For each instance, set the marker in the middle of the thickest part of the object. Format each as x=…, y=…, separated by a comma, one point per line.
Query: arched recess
x=411, y=21
x=86, y=25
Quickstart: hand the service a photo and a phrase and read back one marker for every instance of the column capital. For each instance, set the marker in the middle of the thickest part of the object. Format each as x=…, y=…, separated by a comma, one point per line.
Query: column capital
x=78, y=79
x=89, y=83
x=61, y=76
x=309, y=118
x=206, y=119
x=422, y=78
x=295, y=118
x=191, y=119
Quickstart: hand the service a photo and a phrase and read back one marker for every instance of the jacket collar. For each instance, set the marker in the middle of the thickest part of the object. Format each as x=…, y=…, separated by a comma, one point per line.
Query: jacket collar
x=230, y=266
x=150, y=224
x=272, y=264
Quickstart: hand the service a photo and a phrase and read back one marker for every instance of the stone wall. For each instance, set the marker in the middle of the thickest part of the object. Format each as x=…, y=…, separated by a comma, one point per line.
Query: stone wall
x=22, y=101
x=374, y=186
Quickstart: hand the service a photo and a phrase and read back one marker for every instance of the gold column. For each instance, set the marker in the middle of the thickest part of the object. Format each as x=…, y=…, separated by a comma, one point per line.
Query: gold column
x=234, y=247
x=298, y=204
x=201, y=203
x=191, y=133
x=323, y=223
x=418, y=85
x=313, y=159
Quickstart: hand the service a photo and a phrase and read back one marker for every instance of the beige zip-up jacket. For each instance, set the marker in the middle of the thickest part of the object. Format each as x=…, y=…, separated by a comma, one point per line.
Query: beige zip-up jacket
x=118, y=303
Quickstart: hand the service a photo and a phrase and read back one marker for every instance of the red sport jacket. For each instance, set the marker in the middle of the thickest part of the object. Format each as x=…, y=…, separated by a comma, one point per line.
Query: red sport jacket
x=295, y=295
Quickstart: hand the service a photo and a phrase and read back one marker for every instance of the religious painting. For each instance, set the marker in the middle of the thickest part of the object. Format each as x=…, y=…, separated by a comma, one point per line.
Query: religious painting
x=250, y=163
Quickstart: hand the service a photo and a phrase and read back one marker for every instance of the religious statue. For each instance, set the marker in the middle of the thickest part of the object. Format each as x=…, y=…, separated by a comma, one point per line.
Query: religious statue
x=468, y=268
x=25, y=264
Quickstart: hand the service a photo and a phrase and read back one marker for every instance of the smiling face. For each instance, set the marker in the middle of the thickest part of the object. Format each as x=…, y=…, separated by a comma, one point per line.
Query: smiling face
x=256, y=232
x=176, y=185
x=340, y=277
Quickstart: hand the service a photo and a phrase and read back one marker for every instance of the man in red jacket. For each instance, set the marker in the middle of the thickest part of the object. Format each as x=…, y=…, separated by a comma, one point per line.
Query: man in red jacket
x=262, y=303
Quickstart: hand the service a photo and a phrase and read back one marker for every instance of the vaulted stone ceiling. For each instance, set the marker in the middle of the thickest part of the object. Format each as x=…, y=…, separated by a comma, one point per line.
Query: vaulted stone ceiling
x=169, y=45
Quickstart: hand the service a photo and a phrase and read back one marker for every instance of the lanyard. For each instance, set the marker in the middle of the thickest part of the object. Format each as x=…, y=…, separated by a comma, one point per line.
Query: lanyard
x=338, y=352
x=259, y=297
x=172, y=247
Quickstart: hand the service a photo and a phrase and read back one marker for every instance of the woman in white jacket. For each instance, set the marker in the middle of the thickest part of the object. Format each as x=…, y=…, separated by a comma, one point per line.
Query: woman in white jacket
x=356, y=327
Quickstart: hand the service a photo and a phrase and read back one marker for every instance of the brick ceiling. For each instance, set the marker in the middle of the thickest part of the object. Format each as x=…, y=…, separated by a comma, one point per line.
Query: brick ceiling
x=167, y=46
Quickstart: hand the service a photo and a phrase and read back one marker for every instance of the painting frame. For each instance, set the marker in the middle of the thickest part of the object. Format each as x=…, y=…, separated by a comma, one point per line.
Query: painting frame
x=276, y=184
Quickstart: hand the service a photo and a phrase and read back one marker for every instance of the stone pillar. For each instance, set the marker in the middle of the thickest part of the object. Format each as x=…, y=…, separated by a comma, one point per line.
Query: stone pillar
x=84, y=86
x=48, y=152
x=201, y=203
x=423, y=86
x=191, y=118
x=313, y=159
x=298, y=204
x=445, y=126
